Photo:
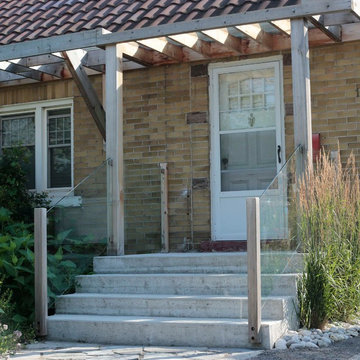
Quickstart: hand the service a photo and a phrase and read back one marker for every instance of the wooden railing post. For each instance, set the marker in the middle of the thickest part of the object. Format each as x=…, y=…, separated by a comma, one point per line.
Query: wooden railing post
x=164, y=208
x=254, y=270
x=40, y=264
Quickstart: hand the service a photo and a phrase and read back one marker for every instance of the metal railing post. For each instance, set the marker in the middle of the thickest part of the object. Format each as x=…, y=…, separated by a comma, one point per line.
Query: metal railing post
x=40, y=264
x=164, y=208
x=254, y=270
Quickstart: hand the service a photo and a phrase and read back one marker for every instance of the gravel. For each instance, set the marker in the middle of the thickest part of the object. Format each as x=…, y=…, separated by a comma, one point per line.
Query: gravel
x=339, y=341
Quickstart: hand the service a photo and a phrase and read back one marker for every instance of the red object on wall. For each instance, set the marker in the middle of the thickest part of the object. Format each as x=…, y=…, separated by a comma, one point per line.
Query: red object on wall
x=316, y=146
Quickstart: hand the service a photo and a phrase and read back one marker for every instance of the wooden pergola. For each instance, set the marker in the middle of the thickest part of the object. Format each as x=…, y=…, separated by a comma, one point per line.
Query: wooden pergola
x=78, y=55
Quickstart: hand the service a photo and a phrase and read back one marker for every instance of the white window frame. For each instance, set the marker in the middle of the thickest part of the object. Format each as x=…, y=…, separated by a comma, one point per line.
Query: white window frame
x=40, y=109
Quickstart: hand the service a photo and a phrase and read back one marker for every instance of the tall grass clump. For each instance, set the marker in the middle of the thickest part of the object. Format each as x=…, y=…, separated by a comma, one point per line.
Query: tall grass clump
x=329, y=228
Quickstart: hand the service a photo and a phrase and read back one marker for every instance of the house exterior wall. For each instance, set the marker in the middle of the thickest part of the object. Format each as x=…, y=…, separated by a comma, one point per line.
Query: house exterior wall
x=166, y=120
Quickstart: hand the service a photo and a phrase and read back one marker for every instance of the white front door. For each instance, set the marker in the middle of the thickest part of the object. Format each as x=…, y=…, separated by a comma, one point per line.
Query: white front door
x=246, y=140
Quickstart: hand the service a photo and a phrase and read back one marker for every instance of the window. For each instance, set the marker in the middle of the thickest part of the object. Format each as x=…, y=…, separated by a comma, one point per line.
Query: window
x=45, y=129
x=19, y=130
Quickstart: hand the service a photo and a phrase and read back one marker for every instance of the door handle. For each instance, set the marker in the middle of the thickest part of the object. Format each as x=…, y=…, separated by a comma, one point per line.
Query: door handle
x=279, y=153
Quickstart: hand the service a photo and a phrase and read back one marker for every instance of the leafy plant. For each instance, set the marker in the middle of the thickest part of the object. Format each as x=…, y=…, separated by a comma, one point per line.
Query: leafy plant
x=14, y=194
x=69, y=256
x=329, y=205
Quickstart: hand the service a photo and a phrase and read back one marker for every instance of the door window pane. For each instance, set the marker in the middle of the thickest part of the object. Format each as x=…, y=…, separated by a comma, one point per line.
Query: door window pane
x=247, y=99
x=248, y=160
x=59, y=148
x=19, y=130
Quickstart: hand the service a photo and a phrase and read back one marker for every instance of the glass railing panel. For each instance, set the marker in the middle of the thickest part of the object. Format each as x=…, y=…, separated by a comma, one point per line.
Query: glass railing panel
x=142, y=207
x=280, y=247
x=77, y=231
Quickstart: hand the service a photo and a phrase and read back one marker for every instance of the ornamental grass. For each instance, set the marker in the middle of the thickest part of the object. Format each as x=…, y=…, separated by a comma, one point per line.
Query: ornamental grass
x=328, y=227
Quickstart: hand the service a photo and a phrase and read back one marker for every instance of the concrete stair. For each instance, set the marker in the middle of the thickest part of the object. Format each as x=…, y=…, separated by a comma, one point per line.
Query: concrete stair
x=176, y=300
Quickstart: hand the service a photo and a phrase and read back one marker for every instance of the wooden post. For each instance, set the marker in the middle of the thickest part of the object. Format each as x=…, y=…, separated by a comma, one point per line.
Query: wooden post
x=164, y=208
x=254, y=269
x=40, y=252
x=301, y=90
x=114, y=145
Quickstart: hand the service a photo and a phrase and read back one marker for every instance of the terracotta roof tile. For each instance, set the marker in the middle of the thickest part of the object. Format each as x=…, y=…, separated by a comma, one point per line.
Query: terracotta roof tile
x=22, y=20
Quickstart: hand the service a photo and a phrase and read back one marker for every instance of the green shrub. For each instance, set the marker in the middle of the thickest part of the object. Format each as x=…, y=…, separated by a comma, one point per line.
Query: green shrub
x=67, y=257
x=329, y=205
x=14, y=194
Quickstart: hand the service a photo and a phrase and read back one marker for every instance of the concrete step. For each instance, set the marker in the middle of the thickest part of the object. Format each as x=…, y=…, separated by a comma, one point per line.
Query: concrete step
x=215, y=263
x=184, y=284
x=161, y=331
x=201, y=306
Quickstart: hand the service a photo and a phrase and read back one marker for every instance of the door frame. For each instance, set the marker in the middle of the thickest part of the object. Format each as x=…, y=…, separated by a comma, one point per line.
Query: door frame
x=214, y=70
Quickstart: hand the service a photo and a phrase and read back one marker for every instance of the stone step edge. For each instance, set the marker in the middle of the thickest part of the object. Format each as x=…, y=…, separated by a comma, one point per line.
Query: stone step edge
x=157, y=319
x=152, y=275
x=170, y=296
x=196, y=254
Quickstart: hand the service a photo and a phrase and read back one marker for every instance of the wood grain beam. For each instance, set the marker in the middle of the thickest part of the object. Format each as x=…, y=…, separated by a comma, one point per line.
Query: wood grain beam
x=223, y=37
x=193, y=42
x=333, y=32
x=284, y=26
x=38, y=60
x=256, y=33
x=20, y=70
x=301, y=90
x=134, y=52
x=163, y=46
x=73, y=61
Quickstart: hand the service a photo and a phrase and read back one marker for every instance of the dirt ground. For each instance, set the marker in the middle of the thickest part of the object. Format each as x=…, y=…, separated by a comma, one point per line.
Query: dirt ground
x=343, y=350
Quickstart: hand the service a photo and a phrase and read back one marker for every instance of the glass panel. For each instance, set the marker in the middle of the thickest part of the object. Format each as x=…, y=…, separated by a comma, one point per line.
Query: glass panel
x=255, y=107
x=278, y=228
x=77, y=231
x=248, y=160
x=142, y=207
x=60, y=167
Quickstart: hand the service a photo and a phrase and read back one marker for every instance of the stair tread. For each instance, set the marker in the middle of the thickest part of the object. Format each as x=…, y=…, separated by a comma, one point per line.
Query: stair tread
x=157, y=319
x=197, y=254
x=151, y=275
x=168, y=296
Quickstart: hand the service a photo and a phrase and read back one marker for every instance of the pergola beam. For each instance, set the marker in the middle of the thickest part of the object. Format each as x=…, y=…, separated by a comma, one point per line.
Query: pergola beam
x=38, y=60
x=73, y=61
x=115, y=149
x=99, y=37
x=134, y=52
x=20, y=70
x=193, y=42
x=301, y=89
x=284, y=26
x=223, y=37
x=255, y=32
x=333, y=32
x=163, y=46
